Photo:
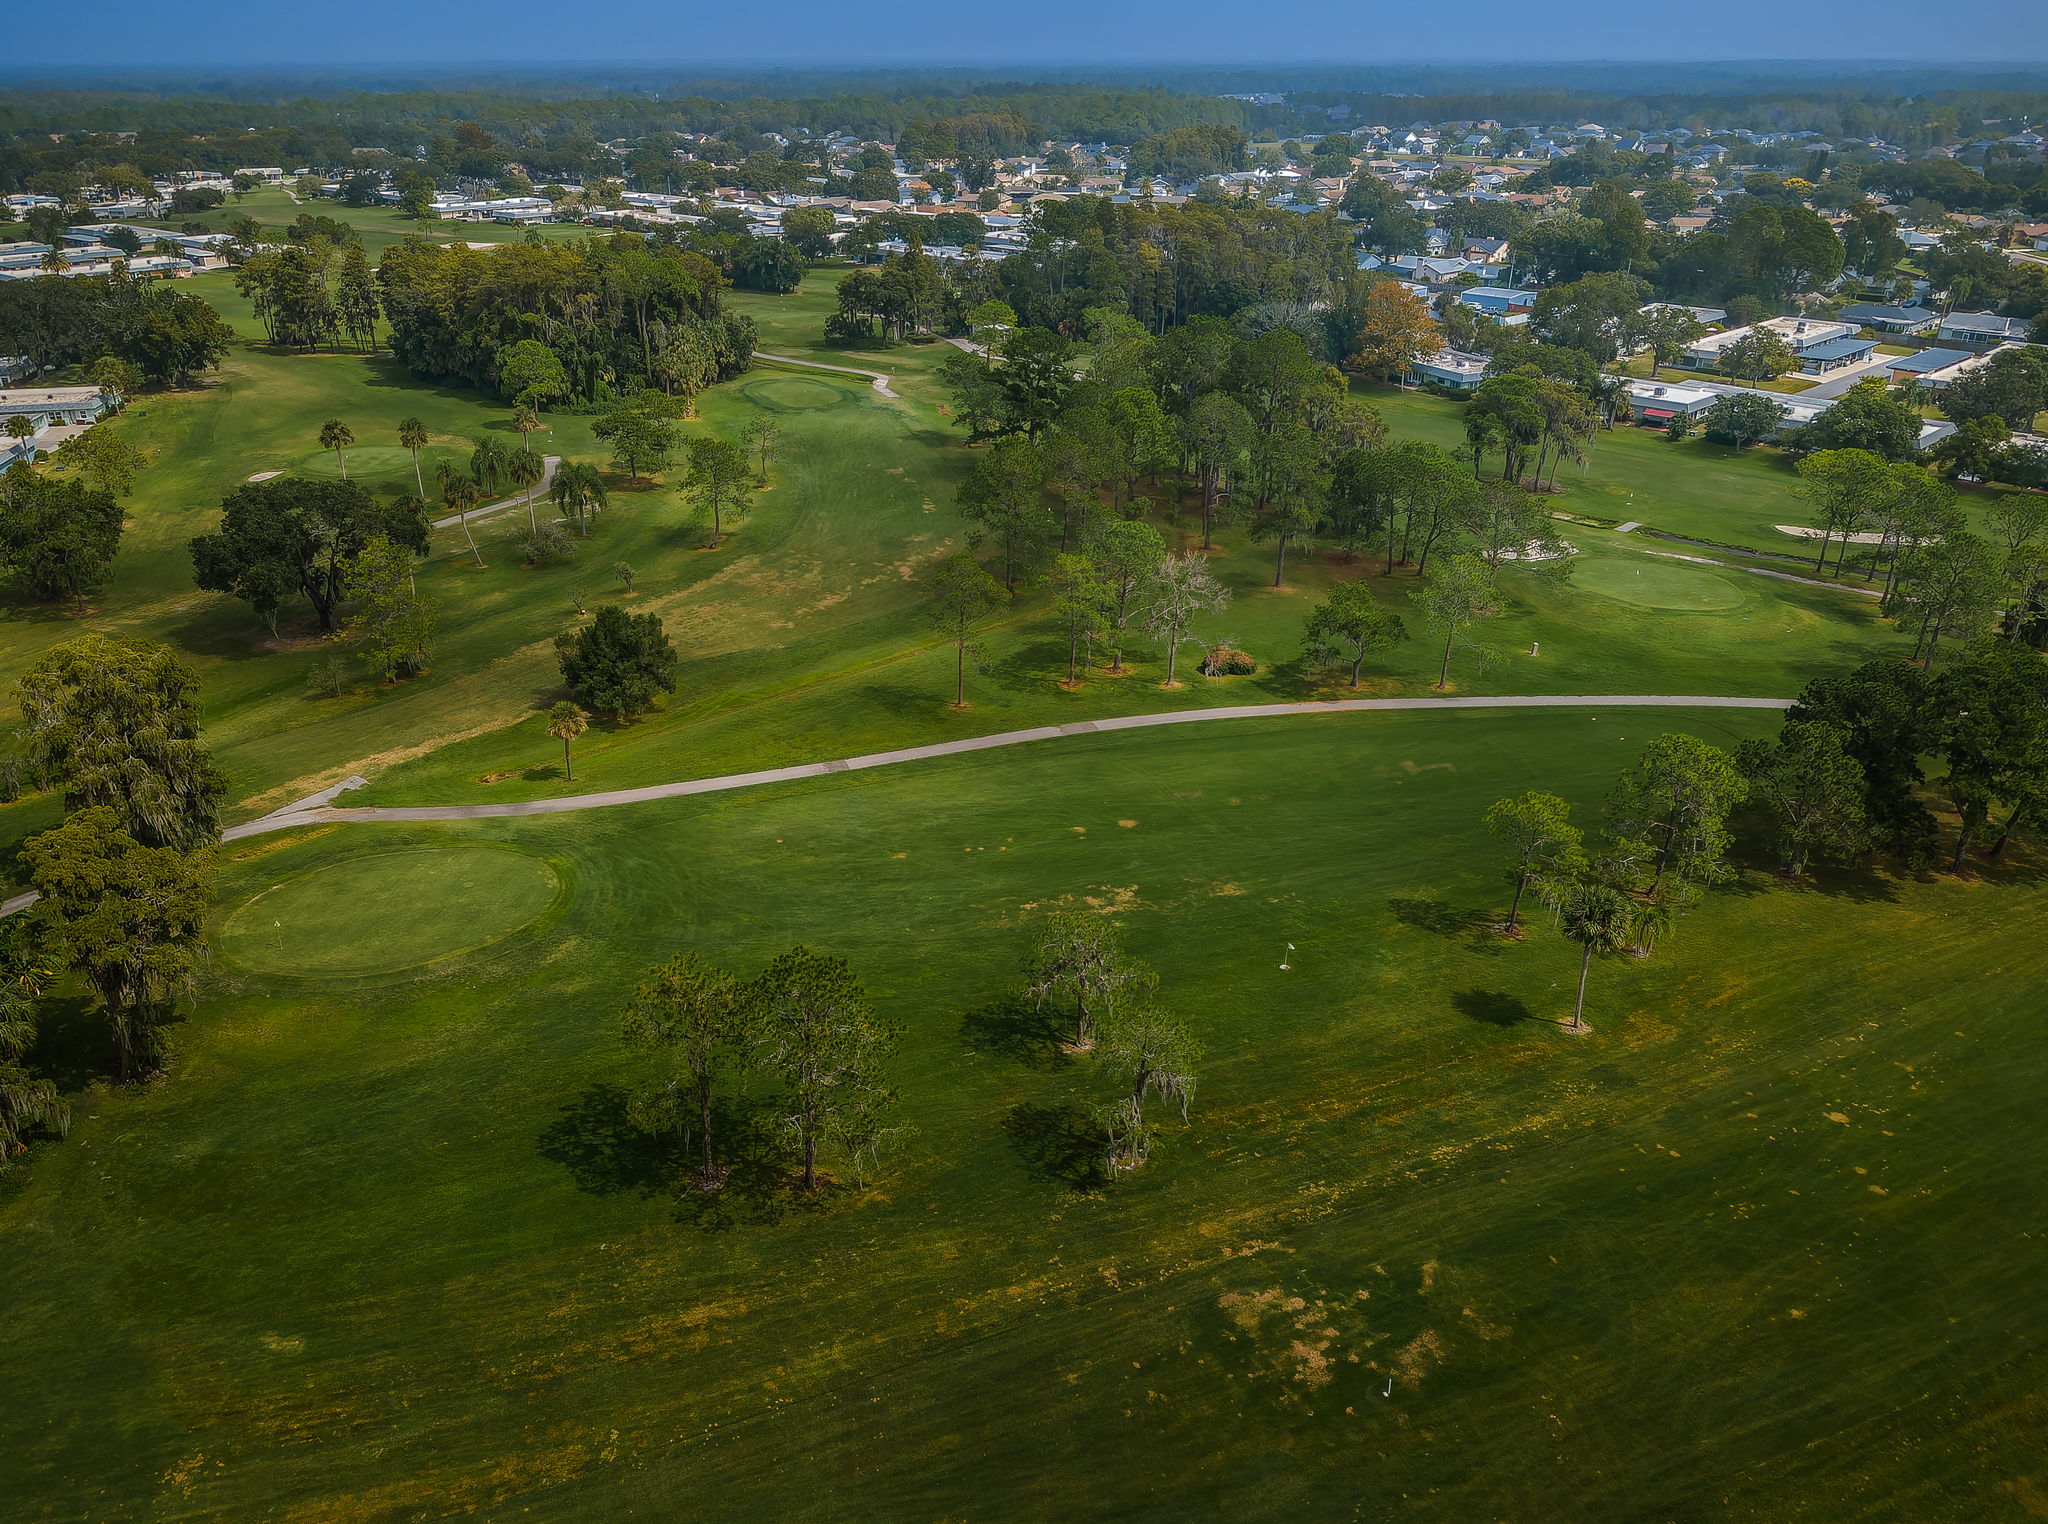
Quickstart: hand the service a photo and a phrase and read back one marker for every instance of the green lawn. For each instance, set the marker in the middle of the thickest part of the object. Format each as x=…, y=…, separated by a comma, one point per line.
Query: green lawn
x=1686, y=487
x=385, y=1246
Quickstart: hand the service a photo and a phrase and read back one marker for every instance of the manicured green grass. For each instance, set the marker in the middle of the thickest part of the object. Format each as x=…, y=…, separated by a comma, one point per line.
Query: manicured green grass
x=379, y=914
x=1686, y=487
x=1758, y=1247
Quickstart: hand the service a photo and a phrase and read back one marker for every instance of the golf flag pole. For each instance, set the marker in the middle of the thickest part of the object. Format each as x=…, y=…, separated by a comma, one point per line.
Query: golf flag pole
x=1283, y=962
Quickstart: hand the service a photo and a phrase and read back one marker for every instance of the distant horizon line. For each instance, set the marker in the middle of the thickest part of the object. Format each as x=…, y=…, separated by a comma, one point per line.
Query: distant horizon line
x=843, y=65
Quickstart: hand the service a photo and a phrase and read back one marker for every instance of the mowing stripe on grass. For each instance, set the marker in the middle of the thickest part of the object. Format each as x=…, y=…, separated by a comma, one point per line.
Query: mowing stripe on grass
x=300, y=813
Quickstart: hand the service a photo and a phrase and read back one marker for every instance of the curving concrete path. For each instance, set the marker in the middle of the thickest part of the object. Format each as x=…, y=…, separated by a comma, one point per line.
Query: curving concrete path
x=318, y=809
x=876, y=378
x=549, y=465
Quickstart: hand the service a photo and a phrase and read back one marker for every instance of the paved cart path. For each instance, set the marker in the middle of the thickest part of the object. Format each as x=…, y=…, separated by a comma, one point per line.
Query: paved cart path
x=549, y=465
x=319, y=809
x=876, y=378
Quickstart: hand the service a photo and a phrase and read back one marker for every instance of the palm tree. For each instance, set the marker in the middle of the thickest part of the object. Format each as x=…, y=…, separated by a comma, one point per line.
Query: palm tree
x=526, y=471
x=526, y=420
x=412, y=435
x=1601, y=919
x=578, y=488
x=335, y=436
x=460, y=492
x=20, y=429
x=565, y=723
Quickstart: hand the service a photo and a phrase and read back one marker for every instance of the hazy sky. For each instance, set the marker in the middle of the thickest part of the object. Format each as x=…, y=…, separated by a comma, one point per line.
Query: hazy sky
x=811, y=32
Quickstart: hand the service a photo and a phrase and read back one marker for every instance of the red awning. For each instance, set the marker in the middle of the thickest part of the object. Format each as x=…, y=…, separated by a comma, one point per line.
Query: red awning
x=1657, y=412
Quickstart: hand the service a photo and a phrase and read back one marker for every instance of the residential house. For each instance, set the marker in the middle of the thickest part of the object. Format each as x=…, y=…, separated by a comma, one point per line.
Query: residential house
x=1981, y=328
x=1943, y=377
x=1800, y=334
x=1834, y=354
x=1498, y=301
x=47, y=408
x=1450, y=368
x=1658, y=402
x=1914, y=369
x=1706, y=317
x=1887, y=319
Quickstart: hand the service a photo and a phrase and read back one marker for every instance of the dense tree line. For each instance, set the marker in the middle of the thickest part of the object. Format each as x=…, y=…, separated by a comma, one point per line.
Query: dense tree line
x=167, y=335
x=614, y=315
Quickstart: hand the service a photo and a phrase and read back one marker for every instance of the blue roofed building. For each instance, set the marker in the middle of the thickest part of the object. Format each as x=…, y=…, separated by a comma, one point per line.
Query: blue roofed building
x=1834, y=354
x=1885, y=319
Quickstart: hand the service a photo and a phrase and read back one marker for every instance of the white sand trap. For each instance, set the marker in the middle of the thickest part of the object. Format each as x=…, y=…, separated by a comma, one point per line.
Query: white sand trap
x=1806, y=533
x=264, y=476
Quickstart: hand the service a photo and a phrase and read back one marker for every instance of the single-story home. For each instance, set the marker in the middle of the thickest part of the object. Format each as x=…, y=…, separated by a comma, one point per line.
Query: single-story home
x=48, y=407
x=1885, y=319
x=1834, y=354
x=1658, y=402
x=1499, y=301
x=1706, y=317
x=1916, y=368
x=1799, y=334
x=1981, y=328
x=1450, y=368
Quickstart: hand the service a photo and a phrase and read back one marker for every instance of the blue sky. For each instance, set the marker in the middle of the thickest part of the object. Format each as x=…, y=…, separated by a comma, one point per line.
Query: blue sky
x=690, y=33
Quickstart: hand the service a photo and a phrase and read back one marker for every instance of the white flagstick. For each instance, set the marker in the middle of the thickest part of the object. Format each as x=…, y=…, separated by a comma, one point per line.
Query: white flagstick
x=1290, y=948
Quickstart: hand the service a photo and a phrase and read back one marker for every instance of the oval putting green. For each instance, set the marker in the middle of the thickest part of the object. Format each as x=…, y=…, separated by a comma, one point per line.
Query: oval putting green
x=363, y=461
x=394, y=911
x=794, y=394
x=1659, y=585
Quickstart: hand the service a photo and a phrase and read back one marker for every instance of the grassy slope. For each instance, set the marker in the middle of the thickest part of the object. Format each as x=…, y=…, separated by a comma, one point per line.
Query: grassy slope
x=1754, y=1249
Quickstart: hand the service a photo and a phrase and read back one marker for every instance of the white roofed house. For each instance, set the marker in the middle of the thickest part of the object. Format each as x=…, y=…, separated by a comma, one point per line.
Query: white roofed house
x=61, y=409
x=1799, y=334
x=1658, y=402
x=1449, y=368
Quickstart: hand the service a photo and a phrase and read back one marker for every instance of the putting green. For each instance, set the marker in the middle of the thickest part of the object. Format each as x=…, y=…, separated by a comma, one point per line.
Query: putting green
x=1659, y=585
x=363, y=461
x=397, y=910
x=794, y=394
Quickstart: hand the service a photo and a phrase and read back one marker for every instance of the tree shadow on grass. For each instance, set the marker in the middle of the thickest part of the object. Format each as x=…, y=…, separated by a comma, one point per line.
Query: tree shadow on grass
x=1060, y=1144
x=1457, y=923
x=606, y=1153
x=903, y=701
x=1863, y=883
x=1295, y=680
x=1018, y=1029
x=1495, y=1008
x=74, y=1045
x=762, y=1184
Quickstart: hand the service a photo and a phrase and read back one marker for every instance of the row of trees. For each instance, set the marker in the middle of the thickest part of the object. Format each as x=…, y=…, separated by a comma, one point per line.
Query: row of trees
x=558, y=322
x=1904, y=528
x=167, y=336
x=306, y=295
x=1844, y=778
